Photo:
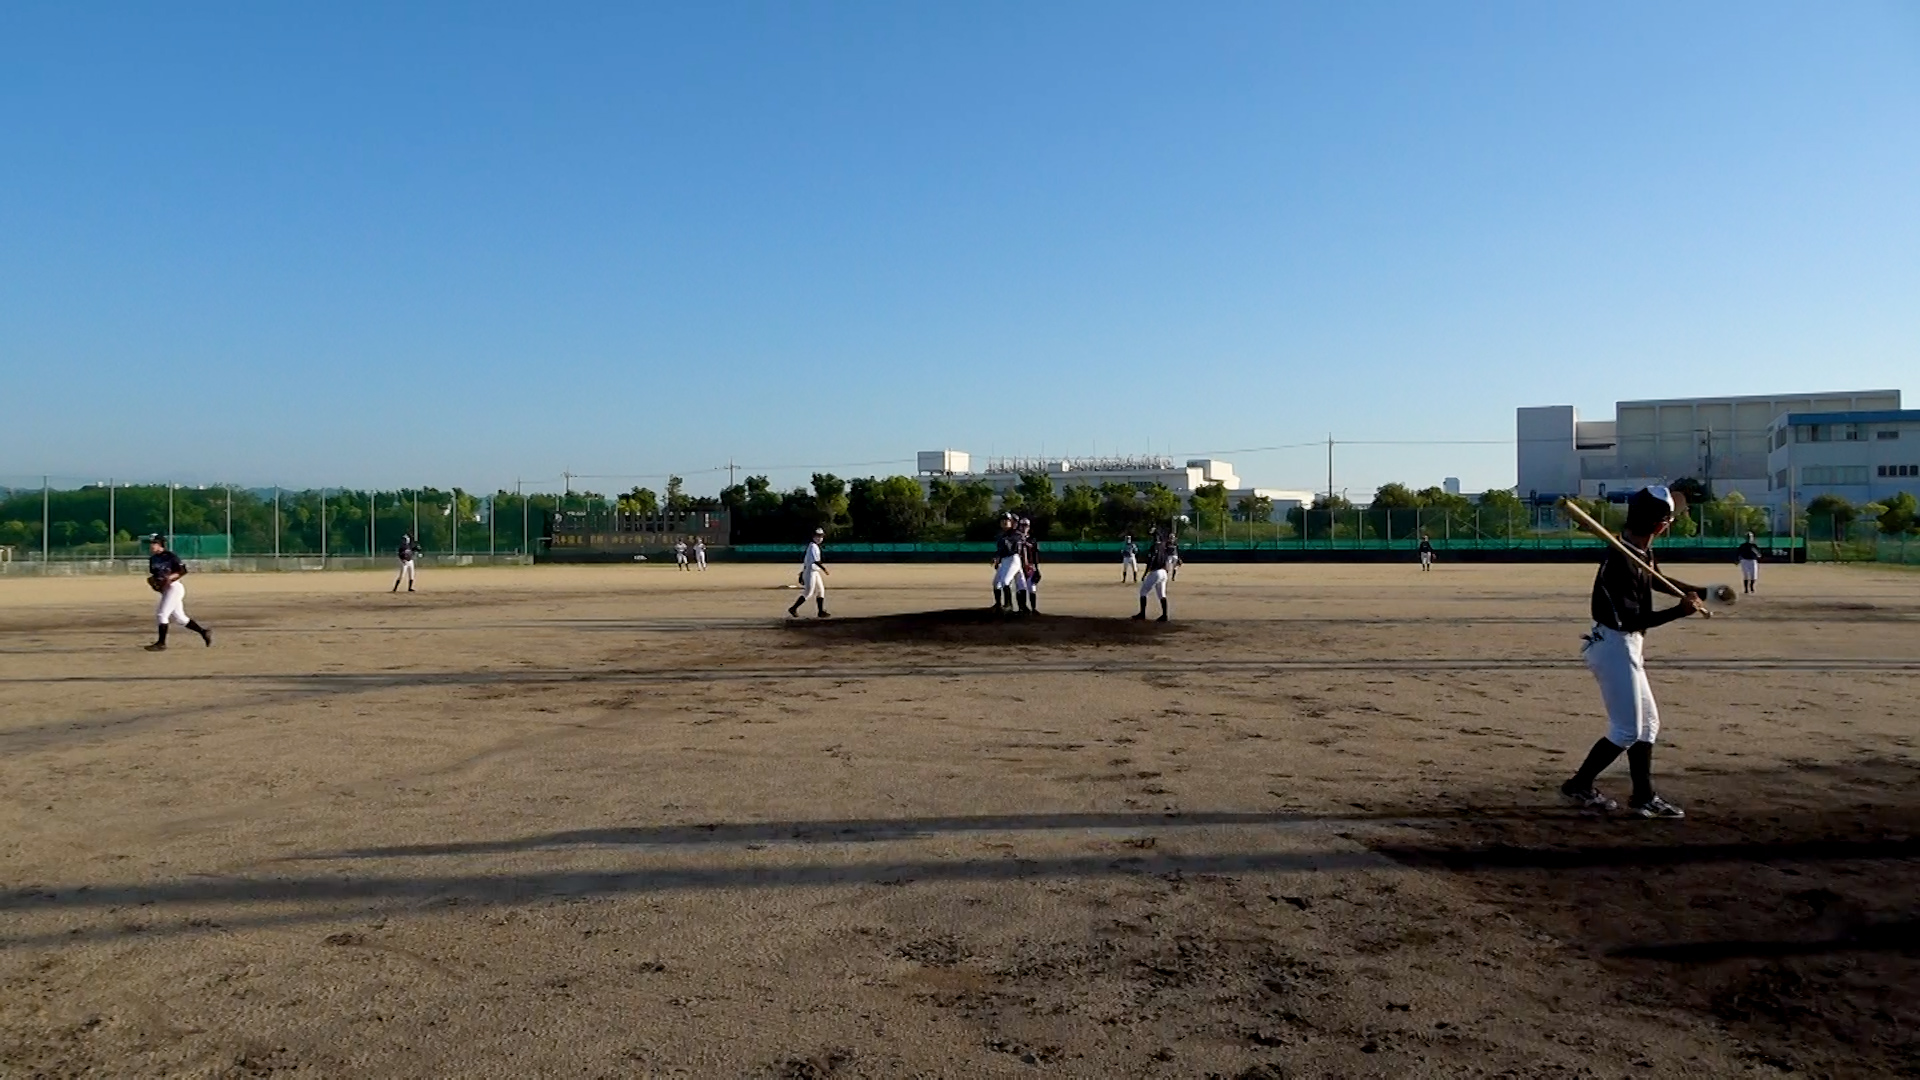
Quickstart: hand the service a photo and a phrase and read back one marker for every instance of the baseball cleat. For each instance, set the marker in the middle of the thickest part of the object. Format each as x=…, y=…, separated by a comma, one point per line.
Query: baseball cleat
x=158, y=646
x=1658, y=807
x=207, y=637
x=1590, y=800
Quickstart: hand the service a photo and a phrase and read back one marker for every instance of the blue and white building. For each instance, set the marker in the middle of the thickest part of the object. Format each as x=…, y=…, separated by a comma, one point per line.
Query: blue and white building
x=1863, y=456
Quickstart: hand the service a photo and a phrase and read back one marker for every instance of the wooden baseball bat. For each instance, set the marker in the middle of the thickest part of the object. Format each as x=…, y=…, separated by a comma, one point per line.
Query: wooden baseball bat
x=1585, y=520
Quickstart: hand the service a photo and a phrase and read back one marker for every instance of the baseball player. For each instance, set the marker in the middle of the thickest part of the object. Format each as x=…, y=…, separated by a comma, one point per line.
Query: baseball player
x=1006, y=567
x=1173, y=556
x=1622, y=614
x=408, y=549
x=1129, y=560
x=680, y=554
x=1749, y=565
x=1028, y=583
x=1426, y=552
x=700, y=553
x=813, y=583
x=164, y=571
x=1155, y=583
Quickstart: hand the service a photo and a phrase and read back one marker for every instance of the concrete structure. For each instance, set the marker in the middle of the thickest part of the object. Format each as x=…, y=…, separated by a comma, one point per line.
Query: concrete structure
x=1140, y=473
x=1723, y=442
x=1862, y=456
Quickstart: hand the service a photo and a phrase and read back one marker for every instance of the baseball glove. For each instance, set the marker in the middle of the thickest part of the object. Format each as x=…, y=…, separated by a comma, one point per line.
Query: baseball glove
x=157, y=582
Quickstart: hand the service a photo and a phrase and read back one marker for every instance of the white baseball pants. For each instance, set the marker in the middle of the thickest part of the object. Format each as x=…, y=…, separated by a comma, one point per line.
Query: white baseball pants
x=1749, y=570
x=1154, y=584
x=700, y=557
x=1426, y=559
x=1615, y=660
x=1008, y=574
x=406, y=572
x=173, y=605
x=815, y=586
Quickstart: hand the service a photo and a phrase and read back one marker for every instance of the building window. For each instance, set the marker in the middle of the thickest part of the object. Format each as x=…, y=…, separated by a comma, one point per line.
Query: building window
x=1851, y=432
x=1780, y=479
x=1887, y=434
x=1832, y=475
x=1899, y=470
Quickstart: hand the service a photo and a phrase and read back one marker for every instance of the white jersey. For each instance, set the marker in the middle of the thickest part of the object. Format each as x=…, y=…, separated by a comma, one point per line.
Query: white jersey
x=811, y=559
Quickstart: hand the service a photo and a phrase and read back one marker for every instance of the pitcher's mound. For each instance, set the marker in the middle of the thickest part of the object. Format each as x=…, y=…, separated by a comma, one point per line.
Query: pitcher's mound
x=983, y=626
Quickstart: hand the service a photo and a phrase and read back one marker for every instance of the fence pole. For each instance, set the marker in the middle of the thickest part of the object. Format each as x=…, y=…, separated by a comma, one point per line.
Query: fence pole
x=453, y=513
x=323, y=528
x=276, y=524
x=111, y=524
x=170, y=487
x=523, y=516
x=416, y=515
x=493, y=503
x=46, y=520
x=229, y=522
x=373, y=511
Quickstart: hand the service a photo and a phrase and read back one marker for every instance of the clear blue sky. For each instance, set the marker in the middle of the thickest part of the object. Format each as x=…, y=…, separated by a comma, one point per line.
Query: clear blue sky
x=390, y=244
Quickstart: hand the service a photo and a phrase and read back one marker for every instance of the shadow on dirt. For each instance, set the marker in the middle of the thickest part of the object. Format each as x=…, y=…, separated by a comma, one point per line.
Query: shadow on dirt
x=984, y=626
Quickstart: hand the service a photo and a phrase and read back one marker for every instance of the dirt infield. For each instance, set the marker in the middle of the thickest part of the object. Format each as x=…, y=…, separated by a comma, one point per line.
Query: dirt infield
x=628, y=821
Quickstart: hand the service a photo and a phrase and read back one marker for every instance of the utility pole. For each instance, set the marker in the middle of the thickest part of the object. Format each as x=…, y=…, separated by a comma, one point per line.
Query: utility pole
x=1707, y=480
x=731, y=467
x=1329, y=469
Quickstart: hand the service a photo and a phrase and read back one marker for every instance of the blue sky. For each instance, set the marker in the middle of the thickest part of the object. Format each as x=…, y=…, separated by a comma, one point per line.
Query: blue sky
x=396, y=244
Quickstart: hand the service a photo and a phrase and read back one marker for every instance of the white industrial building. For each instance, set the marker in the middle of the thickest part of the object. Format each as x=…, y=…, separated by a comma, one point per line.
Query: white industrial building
x=1141, y=473
x=1724, y=442
x=1862, y=456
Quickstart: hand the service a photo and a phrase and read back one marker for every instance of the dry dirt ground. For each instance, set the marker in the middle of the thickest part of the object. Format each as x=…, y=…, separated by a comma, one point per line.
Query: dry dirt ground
x=625, y=821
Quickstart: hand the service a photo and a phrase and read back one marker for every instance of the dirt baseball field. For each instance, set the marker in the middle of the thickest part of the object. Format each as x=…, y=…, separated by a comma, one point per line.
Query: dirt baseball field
x=627, y=821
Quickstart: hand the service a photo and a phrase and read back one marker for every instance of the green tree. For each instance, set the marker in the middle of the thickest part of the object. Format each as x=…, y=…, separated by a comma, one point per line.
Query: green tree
x=1318, y=520
x=1254, y=508
x=1395, y=497
x=889, y=511
x=1210, y=506
x=1501, y=513
x=1120, y=509
x=972, y=503
x=678, y=502
x=830, y=501
x=1829, y=517
x=644, y=502
x=1160, y=504
x=1033, y=496
x=1902, y=514
x=1079, y=505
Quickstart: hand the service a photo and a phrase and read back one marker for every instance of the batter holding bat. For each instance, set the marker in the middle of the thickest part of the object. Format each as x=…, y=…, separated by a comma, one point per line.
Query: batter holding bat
x=164, y=571
x=1622, y=615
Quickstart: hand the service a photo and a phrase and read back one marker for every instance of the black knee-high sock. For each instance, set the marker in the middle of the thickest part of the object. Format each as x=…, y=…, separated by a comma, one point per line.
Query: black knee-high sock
x=194, y=625
x=1163, y=607
x=1143, y=607
x=795, y=609
x=163, y=633
x=820, y=604
x=1640, y=763
x=1602, y=755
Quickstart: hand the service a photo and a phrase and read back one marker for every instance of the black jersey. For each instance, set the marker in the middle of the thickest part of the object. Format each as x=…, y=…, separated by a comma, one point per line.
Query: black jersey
x=165, y=564
x=1426, y=547
x=1623, y=594
x=1157, y=556
x=408, y=549
x=1008, y=546
x=1750, y=550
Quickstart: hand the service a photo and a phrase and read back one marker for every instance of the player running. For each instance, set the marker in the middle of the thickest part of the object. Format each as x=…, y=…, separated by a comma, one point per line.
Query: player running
x=1622, y=614
x=164, y=571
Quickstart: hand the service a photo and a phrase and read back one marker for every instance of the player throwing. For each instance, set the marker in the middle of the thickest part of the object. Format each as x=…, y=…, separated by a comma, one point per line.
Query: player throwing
x=407, y=550
x=813, y=582
x=164, y=571
x=1622, y=615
